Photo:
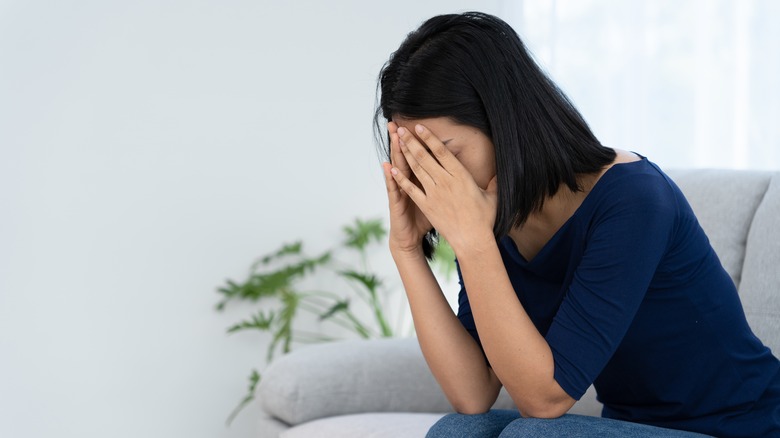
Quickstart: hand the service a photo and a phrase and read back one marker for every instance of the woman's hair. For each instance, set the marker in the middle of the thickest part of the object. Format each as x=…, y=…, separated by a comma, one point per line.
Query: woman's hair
x=474, y=69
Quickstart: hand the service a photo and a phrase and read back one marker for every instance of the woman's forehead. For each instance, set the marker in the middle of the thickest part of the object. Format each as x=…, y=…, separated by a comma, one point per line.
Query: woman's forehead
x=435, y=124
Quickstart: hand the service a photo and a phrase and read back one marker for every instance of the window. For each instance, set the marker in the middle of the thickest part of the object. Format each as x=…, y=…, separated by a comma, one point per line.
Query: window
x=686, y=83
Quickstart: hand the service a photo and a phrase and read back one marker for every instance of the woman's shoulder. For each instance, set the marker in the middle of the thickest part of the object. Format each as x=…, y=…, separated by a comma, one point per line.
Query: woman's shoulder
x=636, y=177
x=635, y=185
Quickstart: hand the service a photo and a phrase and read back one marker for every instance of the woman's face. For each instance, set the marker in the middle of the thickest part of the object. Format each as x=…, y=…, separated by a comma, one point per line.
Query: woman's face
x=470, y=146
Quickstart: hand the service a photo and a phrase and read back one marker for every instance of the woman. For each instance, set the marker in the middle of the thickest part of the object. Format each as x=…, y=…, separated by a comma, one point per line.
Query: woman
x=579, y=264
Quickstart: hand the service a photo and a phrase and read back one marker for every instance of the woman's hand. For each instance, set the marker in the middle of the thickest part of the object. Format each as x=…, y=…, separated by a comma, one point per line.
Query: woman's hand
x=408, y=224
x=448, y=196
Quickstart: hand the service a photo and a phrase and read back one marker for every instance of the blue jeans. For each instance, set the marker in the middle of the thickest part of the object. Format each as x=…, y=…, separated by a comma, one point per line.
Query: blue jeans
x=509, y=424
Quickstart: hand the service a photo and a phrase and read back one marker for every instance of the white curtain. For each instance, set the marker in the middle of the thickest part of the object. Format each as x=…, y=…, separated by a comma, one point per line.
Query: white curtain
x=689, y=83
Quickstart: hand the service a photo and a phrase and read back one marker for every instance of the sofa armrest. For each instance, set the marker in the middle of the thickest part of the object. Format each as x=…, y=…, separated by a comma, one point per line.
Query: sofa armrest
x=349, y=377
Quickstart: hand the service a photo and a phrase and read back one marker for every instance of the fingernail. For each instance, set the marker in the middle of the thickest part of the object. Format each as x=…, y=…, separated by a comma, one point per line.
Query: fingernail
x=401, y=131
x=419, y=129
x=394, y=171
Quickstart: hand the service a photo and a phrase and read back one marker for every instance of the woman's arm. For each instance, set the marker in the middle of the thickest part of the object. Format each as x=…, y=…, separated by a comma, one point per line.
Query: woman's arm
x=453, y=356
x=464, y=213
x=518, y=353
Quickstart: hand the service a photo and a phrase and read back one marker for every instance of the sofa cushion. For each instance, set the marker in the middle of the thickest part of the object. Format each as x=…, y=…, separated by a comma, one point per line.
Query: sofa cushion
x=760, y=288
x=269, y=427
x=372, y=425
x=724, y=202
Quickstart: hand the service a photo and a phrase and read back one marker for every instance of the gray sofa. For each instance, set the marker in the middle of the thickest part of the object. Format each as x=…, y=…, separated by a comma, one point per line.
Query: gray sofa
x=383, y=388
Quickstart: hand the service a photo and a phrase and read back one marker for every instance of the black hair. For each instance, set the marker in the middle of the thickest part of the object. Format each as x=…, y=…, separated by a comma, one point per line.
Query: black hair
x=474, y=69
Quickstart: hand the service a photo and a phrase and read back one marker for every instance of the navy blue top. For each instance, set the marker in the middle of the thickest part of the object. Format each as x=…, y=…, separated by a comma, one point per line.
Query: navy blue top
x=631, y=297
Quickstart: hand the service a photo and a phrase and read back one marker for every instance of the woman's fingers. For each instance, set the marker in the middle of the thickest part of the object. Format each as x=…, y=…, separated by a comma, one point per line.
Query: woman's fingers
x=396, y=156
x=392, y=133
x=439, y=150
x=415, y=159
x=427, y=170
x=408, y=187
x=393, y=191
x=398, y=161
x=428, y=158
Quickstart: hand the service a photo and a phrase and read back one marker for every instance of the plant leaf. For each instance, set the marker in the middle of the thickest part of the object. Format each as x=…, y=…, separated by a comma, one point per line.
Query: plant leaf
x=294, y=248
x=340, y=306
x=272, y=283
x=443, y=258
x=254, y=379
x=286, y=315
x=369, y=281
x=261, y=321
x=361, y=233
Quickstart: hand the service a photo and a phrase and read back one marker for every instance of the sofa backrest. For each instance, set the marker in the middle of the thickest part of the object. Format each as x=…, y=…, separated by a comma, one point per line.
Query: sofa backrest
x=760, y=288
x=739, y=211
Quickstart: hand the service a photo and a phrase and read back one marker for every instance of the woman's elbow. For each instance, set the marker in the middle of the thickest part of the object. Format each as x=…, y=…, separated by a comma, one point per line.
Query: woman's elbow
x=549, y=404
x=470, y=406
x=544, y=407
x=544, y=411
x=471, y=401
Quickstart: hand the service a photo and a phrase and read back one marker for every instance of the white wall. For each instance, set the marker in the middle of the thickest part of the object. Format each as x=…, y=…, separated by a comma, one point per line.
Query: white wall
x=148, y=151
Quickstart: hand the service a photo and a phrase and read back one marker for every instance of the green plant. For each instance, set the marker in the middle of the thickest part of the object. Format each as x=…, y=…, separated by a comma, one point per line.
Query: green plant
x=278, y=278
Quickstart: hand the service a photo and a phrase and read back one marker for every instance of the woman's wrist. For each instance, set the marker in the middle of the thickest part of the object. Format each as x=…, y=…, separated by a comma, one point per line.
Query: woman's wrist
x=473, y=245
x=406, y=253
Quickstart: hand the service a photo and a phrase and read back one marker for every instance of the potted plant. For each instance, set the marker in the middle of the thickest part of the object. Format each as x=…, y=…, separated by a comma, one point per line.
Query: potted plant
x=278, y=279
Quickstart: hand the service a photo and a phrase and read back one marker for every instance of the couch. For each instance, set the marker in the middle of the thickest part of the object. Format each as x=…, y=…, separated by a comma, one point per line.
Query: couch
x=383, y=388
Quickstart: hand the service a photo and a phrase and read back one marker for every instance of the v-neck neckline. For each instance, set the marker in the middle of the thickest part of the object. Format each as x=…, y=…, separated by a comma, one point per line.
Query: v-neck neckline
x=566, y=224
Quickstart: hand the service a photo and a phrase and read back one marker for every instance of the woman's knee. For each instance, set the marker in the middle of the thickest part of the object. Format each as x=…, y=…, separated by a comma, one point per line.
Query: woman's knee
x=489, y=424
x=537, y=427
x=586, y=426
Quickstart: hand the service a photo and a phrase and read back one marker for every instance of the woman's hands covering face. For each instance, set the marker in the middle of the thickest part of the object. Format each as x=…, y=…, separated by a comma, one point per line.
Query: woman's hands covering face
x=408, y=224
x=445, y=193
